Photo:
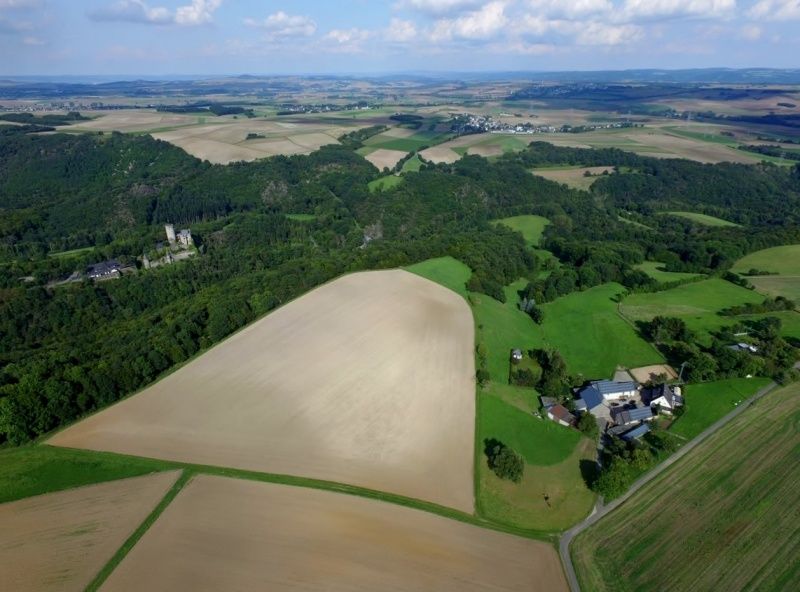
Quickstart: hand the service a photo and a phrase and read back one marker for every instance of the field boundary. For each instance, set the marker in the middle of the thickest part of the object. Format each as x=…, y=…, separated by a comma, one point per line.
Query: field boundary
x=131, y=541
x=601, y=510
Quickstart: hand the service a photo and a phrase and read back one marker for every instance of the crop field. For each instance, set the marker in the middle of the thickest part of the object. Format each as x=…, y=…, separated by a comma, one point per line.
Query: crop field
x=531, y=227
x=486, y=145
x=383, y=158
x=696, y=303
x=783, y=264
x=440, y=154
x=710, y=401
x=655, y=270
x=400, y=139
x=591, y=336
x=213, y=537
x=703, y=219
x=223, y=139
x=367, y=380
x=574, y=177
x=729, y=520
x=59, y=541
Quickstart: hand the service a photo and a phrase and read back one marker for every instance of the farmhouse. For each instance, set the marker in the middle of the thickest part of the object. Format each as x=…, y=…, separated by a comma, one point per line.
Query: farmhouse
x=561, y=415
x=611, y=390
x=625, y=417
x=664, y=396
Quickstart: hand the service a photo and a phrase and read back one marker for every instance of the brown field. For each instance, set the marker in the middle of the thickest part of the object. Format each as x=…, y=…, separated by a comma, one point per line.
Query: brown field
x=130, y=120
x=440, y=153
x=486, y=150
x=367, y=380
x=385, y=158
x=60, y=541
x=573, y=177
x=645, y=373
x=399, y=132
x=228, y=534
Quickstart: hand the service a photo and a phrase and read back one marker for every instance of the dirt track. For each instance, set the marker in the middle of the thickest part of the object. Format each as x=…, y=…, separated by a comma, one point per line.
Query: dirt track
x=227, y=534
x=60, y=541
x=368, y=380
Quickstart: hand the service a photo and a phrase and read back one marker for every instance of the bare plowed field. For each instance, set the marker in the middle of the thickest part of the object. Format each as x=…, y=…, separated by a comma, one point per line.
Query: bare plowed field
x=385, y=158
x=60, y=541
x=228, y=534
x=368, y=380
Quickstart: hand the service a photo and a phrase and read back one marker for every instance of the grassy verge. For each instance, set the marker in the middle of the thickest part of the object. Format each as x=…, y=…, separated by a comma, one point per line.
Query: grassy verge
x=138, y=533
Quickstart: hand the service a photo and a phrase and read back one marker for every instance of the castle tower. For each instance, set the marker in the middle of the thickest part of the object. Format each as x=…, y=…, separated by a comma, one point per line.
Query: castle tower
x=170, y=233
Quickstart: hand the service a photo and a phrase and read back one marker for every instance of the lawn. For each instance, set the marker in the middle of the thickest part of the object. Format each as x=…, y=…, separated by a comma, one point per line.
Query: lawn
x=722, y=518
x=655, y=271
x=384, y=183
x=783, y=264
x=709, y=401
x=553, y=462
x=591, y=336
x=36, y=469
x=703, y=219
x=446, y=271
x=696, y=303
x=531, y=227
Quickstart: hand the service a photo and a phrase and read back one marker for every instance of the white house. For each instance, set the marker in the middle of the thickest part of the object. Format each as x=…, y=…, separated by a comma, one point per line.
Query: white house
x=666, y=397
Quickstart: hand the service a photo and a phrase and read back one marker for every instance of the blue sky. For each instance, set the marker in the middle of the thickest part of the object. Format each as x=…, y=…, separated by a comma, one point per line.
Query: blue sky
x=161, y=37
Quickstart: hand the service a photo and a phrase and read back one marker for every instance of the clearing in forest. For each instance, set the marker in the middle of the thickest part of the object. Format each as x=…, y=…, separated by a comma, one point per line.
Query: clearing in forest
x=213, y=537
x=574, y=177
x=725, y=515
x=60, y=541
x=383, y=158
x=781, y=266
x=367, y=380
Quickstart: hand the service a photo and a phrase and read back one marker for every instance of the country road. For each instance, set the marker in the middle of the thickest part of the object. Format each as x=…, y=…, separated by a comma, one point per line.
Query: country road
x=601, y=510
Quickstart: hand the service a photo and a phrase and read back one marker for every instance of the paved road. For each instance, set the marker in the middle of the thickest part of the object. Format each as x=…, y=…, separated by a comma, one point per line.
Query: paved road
x=601, y=509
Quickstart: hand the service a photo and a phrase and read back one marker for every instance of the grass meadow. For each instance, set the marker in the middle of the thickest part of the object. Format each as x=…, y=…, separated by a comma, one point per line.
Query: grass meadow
x=703, y=219
x=531, y=227
x=783, y=265
x=384, y=183
x=707, y=402
x=655, y=271
x=722, y=518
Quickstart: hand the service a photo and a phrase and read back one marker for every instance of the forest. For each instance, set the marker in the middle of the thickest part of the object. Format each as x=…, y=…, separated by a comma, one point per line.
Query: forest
x=68, y=350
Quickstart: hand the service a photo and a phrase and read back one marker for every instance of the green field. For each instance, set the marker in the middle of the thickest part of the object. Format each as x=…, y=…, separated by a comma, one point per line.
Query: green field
x=783, y=263
x=410, y=144
x=655, y=271
x=703, y=219
x=708, y=402
x=72, y=252
x=412, y=165
x=591, y=336
x=531, y=227
x=446, y=271
x=384, y=183
x=722, y=518
x=33, y=470
x=696, y=303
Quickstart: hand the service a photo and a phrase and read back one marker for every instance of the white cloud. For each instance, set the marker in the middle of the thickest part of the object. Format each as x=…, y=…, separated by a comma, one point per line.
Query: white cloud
x=479, y=24
x=199, y=12
x=32, y=41
x=573, y=9
x=751, y=33
x=138, y=11
x=347, y=40
x=597, y=33
x=281, y=24
x=775, y=10
x=400, y=31
x=633, y=9
x=439, y=7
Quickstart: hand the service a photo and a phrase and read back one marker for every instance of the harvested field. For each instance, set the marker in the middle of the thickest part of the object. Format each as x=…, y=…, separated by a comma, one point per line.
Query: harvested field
x=574, y=177
x=368, y=380
x=439, y=154
x=645, y=373
x=213, y=537
x=486, y=151
x=60, y=541
x=130, y=120
x=399, y=132
x=729, y=521
x=385, y=158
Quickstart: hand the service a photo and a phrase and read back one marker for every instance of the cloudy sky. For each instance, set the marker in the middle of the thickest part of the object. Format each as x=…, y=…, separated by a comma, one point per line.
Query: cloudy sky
x=159, y=37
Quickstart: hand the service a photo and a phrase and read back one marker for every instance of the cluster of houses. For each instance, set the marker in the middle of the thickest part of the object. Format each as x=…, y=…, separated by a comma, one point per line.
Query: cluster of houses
x=622, y=408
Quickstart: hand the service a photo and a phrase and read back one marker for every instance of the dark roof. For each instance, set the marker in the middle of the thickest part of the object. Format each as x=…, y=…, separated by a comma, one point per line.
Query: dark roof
x=630, y=415
x=547, y=401
x=662, y=390
x=104, y=268
x=592, y=397
x=636, y=432
x=562, y=413
x=609, y=387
